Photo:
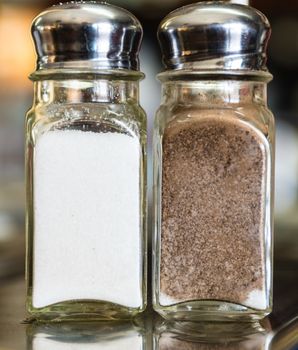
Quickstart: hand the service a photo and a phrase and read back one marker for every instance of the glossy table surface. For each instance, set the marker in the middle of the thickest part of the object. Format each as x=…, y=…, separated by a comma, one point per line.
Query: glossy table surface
x=279, y=331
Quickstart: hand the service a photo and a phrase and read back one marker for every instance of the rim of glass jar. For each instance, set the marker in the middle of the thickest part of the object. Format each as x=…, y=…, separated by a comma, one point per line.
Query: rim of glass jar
x=86, y=74
x=192, y=74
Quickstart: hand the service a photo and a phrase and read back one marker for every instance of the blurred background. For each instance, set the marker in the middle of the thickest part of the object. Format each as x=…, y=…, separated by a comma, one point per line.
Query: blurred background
x=17, y=60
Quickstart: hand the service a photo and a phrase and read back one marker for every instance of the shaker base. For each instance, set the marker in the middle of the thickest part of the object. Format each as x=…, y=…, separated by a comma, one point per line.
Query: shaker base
x=82, y=310
x=207, y=310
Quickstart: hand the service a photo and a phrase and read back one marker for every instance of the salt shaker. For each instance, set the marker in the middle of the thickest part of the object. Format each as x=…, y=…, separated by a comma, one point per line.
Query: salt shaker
x=214, y=161
x=86, y=166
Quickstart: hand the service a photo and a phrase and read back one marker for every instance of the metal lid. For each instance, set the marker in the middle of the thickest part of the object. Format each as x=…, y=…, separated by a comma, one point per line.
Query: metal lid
x=66, y=35
x=215, y=36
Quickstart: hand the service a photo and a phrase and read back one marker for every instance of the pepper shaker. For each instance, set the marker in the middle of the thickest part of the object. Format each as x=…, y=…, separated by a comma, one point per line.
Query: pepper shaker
x=214, y=166
x=86, y=166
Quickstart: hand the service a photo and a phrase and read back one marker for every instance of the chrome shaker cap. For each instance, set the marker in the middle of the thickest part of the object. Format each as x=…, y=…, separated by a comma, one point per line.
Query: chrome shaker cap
x=215, y=36
x=68, y=34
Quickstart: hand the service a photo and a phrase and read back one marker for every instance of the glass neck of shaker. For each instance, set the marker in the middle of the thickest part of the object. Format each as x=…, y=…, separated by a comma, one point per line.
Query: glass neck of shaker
x=215, y=92
x=72, y=91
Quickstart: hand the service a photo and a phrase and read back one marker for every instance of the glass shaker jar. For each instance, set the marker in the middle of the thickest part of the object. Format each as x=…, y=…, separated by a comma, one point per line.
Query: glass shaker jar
x=86, y=166
x=214, y=161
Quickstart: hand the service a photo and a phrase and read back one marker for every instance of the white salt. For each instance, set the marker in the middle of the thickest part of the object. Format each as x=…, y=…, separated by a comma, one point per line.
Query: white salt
x=257, y=300
x=165, y=300
x=87, y=239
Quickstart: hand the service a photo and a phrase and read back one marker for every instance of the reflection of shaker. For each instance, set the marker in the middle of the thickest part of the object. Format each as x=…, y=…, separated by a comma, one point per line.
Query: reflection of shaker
x=211, y=336
x=87, y=336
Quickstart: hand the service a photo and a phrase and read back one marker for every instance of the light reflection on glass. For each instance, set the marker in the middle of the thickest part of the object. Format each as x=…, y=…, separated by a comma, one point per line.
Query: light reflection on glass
x=211, y=336
x=87, y=336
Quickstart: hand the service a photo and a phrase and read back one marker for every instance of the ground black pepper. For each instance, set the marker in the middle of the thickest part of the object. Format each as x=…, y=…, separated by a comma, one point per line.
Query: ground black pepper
x=213, y=198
